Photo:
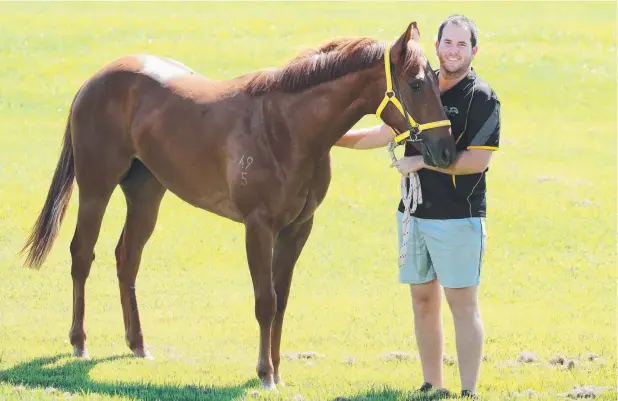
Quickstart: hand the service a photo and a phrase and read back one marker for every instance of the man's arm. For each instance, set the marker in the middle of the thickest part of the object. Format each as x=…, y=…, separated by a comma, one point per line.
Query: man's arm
x=367, y=138
x=470, y=161
x=482, y=135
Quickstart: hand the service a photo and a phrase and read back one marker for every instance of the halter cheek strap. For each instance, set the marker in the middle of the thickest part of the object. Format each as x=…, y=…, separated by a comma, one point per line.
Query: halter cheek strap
x=391, y=97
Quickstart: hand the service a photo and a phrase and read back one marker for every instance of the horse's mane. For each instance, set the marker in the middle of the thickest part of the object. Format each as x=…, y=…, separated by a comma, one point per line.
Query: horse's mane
x=333, y=60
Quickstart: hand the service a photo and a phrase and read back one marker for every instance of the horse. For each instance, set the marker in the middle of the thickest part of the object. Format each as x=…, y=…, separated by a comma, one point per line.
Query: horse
x=254, y=149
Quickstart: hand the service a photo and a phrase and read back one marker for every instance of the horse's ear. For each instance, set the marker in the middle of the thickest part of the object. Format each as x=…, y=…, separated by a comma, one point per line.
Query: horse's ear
x=398, y=50
x=415, y=34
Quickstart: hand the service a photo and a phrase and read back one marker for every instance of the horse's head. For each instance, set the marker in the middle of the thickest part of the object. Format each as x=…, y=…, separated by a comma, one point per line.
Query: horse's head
x=416, y=114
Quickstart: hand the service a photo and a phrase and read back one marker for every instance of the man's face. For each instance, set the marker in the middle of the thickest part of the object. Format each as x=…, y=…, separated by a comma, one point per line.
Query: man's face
x=455, y=50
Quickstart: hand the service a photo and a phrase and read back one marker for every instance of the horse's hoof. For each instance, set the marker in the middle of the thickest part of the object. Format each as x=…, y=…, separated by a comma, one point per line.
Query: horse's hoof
x=80, y=352
x=279, y=381
x=142, y=353
x=269, y=384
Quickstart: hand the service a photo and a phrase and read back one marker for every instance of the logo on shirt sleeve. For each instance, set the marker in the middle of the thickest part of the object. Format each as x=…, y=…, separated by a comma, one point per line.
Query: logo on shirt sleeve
x=450, y=111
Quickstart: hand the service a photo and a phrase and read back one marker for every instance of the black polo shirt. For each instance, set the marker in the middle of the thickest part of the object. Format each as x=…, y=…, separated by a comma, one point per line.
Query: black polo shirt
x=474, y=111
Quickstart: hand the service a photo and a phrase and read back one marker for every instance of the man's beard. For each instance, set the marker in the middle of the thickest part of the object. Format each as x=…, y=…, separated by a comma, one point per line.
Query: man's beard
x=451, y=75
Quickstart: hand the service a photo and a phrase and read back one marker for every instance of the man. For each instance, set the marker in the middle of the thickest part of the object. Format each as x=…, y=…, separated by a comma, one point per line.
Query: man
x=447, y=238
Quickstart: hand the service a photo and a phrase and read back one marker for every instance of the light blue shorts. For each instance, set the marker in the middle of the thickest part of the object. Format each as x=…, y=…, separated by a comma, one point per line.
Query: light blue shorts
x=449, y=250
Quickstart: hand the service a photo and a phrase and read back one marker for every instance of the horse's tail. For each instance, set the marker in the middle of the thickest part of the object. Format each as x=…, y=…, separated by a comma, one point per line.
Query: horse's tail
x=47, y=226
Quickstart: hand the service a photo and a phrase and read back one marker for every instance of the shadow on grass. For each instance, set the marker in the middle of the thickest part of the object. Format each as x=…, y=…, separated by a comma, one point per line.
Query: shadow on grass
x=73, y=377
x=394, y=395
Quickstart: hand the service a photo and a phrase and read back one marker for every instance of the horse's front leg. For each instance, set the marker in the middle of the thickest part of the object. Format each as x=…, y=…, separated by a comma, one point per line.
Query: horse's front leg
x=259, y=242
x=289, y=245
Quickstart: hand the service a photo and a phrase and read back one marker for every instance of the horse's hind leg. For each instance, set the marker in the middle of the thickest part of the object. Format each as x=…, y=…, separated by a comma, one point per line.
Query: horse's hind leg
x=143, y=194
x=89, y=218
x=97, y=175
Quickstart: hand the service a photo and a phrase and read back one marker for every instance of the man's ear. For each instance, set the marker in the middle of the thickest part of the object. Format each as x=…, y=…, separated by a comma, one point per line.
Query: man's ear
x=475, y=49
x=398, y=50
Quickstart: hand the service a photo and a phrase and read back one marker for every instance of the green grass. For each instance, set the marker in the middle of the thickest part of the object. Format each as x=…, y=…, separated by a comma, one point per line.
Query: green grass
x=548, y=285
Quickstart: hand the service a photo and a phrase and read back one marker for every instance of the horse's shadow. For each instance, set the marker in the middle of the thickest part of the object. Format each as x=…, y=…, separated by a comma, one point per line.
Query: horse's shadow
x=73, y=377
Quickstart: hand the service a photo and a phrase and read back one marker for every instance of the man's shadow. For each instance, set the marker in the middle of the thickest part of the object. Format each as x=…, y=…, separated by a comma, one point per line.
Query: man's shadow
x=73, y=377
x=389, y=394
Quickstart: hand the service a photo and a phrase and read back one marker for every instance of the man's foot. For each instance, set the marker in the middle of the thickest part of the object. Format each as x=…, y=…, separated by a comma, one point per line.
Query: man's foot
x=469, y=395
x=436, y=393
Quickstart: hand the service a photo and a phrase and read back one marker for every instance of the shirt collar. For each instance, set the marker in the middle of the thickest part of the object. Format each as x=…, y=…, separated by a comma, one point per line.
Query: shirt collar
x=471, y=76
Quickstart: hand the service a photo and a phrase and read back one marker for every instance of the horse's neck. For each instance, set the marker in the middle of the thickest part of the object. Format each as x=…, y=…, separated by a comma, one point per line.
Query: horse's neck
x=323, y=114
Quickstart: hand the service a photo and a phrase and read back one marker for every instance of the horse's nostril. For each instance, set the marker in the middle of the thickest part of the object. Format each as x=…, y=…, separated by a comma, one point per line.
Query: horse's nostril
x=446, y=155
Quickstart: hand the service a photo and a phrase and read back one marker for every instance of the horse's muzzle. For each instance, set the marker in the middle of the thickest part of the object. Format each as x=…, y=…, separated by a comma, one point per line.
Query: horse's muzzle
x=441, y=154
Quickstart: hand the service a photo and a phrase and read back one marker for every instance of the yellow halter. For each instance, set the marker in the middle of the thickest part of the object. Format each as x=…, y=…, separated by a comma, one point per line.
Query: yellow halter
x=390, y=96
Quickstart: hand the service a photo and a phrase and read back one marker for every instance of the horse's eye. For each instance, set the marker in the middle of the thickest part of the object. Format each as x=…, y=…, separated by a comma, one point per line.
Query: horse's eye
x=415, y=86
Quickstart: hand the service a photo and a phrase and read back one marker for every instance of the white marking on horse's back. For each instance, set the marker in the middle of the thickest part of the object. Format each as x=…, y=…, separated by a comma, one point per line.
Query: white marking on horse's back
x=163, y=69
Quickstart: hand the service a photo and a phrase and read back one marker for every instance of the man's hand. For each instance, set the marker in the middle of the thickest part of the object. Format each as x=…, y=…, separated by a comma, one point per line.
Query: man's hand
x=409, y=164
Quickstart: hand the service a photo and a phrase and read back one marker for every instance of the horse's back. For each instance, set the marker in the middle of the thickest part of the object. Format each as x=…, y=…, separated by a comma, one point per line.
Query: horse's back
x=191, y=132
x=163, y=69
x=132, y=80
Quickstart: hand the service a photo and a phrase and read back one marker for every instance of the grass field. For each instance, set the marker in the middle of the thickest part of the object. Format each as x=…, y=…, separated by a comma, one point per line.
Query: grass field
x=549, y=279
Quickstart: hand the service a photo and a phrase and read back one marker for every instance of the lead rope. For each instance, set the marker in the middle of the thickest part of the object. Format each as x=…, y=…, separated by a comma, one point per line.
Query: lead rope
x=411, y=199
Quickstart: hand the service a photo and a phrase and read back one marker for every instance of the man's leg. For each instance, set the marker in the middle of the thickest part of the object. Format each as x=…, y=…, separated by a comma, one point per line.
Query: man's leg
x=426, y=300
x=469, y=334
x=456, y=249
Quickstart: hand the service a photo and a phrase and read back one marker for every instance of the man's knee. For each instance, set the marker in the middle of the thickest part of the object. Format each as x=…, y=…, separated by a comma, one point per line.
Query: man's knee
x=465, y=312
x=426, y=297
x=463, y=302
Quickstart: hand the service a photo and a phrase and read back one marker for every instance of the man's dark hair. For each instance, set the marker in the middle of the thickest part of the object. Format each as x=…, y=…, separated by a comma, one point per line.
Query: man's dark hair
x=460, y=20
